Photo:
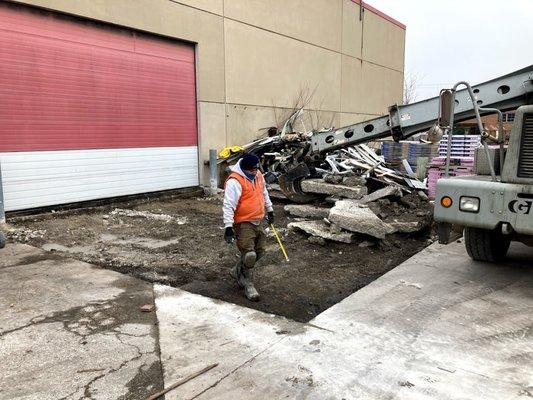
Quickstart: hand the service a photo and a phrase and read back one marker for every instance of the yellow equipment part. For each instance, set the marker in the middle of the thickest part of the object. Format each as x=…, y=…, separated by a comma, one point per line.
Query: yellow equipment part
x=228, y=151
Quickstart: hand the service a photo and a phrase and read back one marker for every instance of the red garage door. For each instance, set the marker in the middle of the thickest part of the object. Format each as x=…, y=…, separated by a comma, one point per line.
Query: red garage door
x=91, y=111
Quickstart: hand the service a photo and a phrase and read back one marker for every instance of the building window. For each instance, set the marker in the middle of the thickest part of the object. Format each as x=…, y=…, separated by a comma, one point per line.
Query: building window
x=508, y=117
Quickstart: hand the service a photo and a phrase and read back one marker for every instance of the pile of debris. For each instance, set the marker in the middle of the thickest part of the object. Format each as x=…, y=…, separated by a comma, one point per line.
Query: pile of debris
x=280, y=153
x=120, y=212
x=284, y=150
x=24, y=235
x=366, y=219
x=355, y=193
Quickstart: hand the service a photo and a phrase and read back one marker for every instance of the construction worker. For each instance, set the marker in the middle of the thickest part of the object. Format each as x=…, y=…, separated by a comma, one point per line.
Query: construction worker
x=246, y=204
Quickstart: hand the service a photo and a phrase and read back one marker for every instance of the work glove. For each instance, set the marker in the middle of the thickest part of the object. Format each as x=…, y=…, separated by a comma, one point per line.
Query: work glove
x=270, y=217
x=229, y=236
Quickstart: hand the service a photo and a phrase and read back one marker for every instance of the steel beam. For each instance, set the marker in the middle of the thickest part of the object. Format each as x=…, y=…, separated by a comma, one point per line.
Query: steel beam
x=506, y=92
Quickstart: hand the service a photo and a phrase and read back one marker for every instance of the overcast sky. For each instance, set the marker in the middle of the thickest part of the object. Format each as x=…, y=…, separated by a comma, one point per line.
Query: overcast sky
x=453, y=40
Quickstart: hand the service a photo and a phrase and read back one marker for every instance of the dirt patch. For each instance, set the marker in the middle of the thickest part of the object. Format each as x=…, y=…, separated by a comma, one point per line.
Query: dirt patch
x=180, y=242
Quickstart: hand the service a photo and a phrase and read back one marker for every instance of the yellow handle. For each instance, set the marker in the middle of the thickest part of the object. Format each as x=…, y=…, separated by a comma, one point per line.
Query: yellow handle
x=279, y=242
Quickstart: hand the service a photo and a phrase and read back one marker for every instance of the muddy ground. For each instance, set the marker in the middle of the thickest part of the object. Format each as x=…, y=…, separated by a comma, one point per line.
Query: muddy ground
x=179, y=242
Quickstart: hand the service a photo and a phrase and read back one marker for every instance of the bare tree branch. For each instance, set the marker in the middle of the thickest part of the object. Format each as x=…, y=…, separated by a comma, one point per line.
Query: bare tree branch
x=311, y=119
x=410, y=86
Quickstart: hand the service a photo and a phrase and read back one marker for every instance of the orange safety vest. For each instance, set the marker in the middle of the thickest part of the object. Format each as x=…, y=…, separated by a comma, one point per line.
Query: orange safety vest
x=251, y=205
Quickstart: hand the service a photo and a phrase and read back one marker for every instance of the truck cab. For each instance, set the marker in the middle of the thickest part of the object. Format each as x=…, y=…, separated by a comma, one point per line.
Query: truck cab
x=492, y=211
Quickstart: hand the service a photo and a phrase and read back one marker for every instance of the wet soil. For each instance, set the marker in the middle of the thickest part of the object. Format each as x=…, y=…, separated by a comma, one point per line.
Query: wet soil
x=179, y=242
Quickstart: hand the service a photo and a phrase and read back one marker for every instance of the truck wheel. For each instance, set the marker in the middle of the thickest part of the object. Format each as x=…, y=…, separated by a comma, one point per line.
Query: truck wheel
x=486, y=245
x=2, y=240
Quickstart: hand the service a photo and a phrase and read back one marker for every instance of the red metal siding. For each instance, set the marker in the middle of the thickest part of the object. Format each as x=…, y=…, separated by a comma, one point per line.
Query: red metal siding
x=68, y=84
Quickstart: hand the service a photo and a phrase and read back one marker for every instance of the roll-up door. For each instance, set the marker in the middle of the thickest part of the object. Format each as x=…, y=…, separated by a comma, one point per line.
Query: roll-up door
x=90, y=111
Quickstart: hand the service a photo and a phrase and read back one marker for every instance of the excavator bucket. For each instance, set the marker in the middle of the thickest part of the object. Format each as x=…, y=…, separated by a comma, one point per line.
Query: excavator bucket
x=290, y=184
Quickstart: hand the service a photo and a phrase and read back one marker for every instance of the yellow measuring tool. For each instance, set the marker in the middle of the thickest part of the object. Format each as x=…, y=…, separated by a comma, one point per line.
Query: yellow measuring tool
x=279, y=242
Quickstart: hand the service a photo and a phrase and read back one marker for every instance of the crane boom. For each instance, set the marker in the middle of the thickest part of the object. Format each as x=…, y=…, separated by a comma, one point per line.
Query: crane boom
x=506, y=92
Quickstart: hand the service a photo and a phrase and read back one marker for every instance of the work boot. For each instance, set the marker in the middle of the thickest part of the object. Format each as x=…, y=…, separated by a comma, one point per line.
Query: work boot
x=248, y=282
x=236, y=273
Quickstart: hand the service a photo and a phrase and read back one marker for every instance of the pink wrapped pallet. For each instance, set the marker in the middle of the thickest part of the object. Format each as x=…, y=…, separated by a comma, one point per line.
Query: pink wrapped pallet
x=459, y=166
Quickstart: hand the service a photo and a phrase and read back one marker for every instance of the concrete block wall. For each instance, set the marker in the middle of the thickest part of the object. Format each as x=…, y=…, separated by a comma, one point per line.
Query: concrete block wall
x=255, y=56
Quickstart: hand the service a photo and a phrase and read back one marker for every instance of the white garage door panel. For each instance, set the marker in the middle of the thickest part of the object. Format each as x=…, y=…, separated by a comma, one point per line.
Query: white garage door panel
x=37, y=179
x=50, y=165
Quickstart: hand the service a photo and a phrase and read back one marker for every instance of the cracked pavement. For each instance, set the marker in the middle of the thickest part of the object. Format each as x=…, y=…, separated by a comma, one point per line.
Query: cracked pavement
x=69, y=330
x=439, y=326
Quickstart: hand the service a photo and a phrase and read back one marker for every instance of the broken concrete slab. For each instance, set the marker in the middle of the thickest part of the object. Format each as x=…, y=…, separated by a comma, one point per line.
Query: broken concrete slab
x=387, y=191
x=411, y=226
x=354, y=181
x=321, y=187
x=307, y=211
x=358, y=218
x=334, y=179
x=322, y=230
x=406, y=227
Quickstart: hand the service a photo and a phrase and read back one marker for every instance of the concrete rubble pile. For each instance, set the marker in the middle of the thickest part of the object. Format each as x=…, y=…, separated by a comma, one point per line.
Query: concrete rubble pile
x=359, y=209
x=368, y=219
x=359, y=198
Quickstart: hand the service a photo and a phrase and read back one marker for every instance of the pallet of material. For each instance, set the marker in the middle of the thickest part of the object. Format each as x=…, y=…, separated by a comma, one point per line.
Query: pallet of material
x=459, y=166
x=411, y=151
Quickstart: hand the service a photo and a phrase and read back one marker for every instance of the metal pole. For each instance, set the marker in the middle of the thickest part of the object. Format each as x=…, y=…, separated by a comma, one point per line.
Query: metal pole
x=213, y=172
x=450, y=133
x=2, y=208
x=479, y=124
x=501, y=139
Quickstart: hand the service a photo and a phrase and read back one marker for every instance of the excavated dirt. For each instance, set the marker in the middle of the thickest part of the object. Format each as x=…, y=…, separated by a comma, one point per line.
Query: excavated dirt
x=179, y=242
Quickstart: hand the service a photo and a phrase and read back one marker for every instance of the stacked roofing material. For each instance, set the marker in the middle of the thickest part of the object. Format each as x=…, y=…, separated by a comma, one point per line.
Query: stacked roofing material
x=459, y=166
x=461, y=160
x=462, y=145
x=394, y=153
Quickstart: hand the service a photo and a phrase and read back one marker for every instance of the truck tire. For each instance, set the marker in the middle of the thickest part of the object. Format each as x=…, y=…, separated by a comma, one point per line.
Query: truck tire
x=486, y=245
x=2, y=240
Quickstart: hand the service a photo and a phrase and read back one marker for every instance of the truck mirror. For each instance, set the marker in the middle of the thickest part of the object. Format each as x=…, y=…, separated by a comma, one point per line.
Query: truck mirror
x=446, y=108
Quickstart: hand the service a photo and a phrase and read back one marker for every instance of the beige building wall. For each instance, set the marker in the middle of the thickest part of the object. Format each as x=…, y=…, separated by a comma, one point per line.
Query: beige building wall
x=256, y=57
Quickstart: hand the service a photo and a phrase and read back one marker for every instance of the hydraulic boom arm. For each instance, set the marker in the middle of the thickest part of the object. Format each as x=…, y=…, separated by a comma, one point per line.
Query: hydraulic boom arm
x=506, y=92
